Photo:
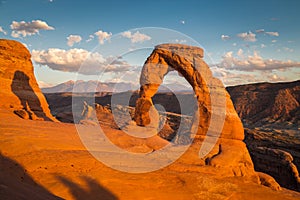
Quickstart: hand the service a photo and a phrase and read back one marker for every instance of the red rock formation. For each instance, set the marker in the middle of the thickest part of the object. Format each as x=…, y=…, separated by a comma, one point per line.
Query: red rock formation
x=283, y=168
x=268, y=181
x=230, y=153
x=271, y=113
x=276, y=152
x=19, y=89
x=267, y=102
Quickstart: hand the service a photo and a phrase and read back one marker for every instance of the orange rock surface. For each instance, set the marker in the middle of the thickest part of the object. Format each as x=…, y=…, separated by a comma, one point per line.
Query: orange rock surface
x=18, y=87
x=40, y=159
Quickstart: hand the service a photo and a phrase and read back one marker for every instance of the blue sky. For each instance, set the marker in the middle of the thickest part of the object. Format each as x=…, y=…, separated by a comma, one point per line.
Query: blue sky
x=244, y=41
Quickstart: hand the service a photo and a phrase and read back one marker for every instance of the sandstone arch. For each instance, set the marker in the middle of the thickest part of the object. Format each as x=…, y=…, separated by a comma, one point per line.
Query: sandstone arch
x=187, y=61
x=230, y=151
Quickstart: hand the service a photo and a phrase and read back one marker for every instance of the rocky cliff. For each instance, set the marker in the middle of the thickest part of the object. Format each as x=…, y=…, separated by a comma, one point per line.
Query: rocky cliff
x=276, y=152
x=19, y=90
x=270, y=112
x=267, y=102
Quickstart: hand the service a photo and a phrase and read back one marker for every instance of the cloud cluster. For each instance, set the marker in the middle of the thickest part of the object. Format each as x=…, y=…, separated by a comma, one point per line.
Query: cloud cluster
x=102, y=36
x=136, y=37
x=288, y=49
x=2, y=30
x=182, y=41
x=230, y=78
x=249, y=37
x=78, y=59
x=238, y=78
x=241, y=67
x=276, y=34
x=72, y=39
x=23, y=29
x=253, y=62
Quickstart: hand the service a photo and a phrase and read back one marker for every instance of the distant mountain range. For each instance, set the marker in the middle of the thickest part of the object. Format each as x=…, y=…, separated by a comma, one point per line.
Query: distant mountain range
x=96, y=86
x=259, y=102
x=255, y=103
x=88, y=86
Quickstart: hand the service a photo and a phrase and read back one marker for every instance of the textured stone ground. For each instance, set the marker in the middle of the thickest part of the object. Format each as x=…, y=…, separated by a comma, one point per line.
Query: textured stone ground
x=40, y=156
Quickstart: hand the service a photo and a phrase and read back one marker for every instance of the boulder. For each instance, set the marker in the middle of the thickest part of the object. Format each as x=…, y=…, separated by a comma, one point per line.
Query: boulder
x=268, y=181
x=22, y=113
x=88, y=115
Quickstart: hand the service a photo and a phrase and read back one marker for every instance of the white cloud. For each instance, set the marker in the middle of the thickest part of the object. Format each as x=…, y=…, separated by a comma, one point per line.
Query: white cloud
x=126, y=34
x=273, y=33
x=249, y=37
x=225, y=37
x=25, y=45
x=28, y=28
x=136, y=37
x=182, y=41
x=274, y=78
x=288, y=49
x=72, y=39
x=71, y=61
x=2, y=30
x=182, y=22
x=260, y=31
x=268, y=33
x=43, y=84
x=91, y=37
x=102, y=36
x=263, y=46
x=273, y=41
x=240, y=52
x=253, y=62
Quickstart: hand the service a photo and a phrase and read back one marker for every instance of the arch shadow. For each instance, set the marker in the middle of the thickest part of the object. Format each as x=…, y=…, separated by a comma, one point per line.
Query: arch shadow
x=94, y=191
x=16, y=183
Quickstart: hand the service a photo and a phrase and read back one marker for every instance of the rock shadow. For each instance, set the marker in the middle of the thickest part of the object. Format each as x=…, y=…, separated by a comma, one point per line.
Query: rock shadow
x=16, y=183
x=21, y=88
x=94, y=191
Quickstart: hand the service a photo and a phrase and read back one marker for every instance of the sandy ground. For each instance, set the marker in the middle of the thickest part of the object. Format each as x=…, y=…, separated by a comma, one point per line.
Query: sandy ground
x=46, y=160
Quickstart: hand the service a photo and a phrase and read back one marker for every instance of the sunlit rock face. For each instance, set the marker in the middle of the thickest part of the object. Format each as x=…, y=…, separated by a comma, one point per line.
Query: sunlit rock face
x=214, y=106
x=19, y=90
